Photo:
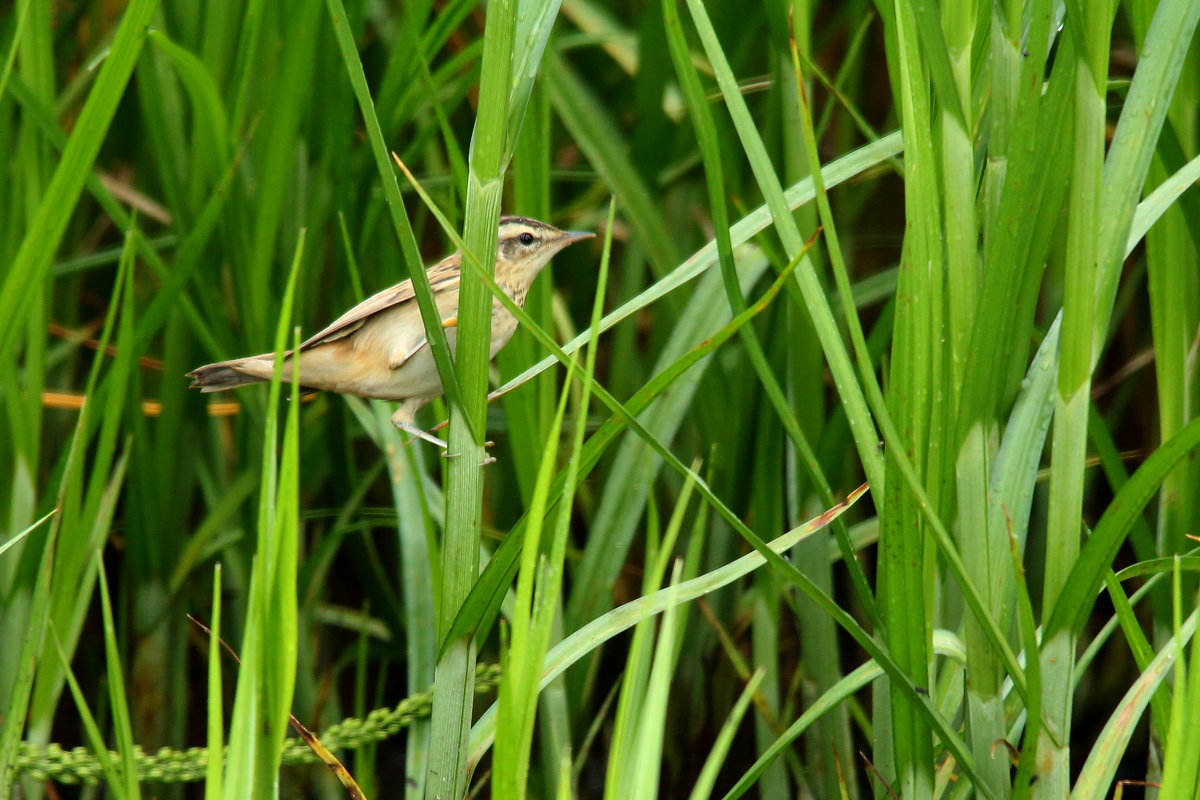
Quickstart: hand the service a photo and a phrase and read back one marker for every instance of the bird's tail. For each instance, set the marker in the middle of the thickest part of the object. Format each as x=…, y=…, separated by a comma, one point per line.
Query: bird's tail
x=231, y=374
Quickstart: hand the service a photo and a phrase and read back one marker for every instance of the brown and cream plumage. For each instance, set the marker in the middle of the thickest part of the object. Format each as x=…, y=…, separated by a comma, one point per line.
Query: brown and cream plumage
x=378, y=348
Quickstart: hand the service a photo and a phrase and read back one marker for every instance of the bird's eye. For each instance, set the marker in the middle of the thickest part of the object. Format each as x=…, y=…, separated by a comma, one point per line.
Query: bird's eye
x=525, y=238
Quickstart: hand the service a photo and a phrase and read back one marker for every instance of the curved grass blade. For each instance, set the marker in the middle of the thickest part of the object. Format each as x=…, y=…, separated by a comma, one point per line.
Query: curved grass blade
x=586, y=639
x=112, y=774
x=18, y=537
x=436, y=335
x=1155, y=204
x=119, y=706
x=481, y=608
x=836, y=172
x=944, y=643
x=1082, y=583
x=1106, y=755
x=703, y=788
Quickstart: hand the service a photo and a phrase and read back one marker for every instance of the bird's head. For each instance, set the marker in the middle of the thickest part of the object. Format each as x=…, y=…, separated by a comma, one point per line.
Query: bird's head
x=525, y=245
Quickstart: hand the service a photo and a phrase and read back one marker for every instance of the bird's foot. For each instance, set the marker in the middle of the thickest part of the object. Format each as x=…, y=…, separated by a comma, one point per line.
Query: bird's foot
x=484, y=463
x=408, y=427
x=404, y=422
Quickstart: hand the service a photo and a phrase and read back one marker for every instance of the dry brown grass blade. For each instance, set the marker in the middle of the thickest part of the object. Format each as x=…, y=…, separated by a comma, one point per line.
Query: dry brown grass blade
x=314, y=744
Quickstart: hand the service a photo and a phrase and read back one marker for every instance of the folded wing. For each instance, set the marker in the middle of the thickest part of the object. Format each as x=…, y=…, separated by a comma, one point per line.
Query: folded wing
x=443, y=277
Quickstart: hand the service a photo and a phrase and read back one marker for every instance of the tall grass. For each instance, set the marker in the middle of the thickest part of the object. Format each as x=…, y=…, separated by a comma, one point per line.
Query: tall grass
x=947, y=250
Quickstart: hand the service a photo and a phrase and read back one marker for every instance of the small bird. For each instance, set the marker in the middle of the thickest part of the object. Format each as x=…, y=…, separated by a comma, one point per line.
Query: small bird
x=378, y=348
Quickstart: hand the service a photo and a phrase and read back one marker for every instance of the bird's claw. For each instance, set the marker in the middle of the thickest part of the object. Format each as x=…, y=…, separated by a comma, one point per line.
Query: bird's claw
x=484, y=463
x=427, y=436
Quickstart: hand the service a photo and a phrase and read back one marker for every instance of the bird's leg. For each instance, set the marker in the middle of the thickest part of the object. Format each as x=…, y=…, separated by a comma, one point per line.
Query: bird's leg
x=403, y=419
x=429, y=437
x=445, y=422
x=484, y=463
x=405, y=416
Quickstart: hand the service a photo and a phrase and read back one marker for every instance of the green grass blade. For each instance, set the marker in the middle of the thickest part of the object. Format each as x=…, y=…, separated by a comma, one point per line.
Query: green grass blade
x=705, y=128
x=434, y=332
x=481, y=608
x=535, y=20
x=535, y=615
x=518, y=693
x=703, y=787
x=850, y=391
x=268, y=653
x=584, y=116
x=1104, y=757
x=630, y=480
x=1135, y=140
x=118, y=703
x=652, y=728
x=1182, y=766
x=47, y=228
x=491, y=147
x=89, y=494
x=112, y=773
x=31, y=645
x=215, y=740
x=419, y=573
x=22, y=14
x=1164, y=197
x=19, y=536
x=1087, y=574
x=944, y=644
x=837, y=172
x=586, y=639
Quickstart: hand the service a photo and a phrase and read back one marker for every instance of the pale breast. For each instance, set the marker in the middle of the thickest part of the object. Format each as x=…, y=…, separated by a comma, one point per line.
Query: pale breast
x=386, y=336
x=504, y=324
x=358, y=363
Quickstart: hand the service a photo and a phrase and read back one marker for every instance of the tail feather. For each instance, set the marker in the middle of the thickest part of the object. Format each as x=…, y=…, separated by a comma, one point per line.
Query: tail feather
x=226, y=374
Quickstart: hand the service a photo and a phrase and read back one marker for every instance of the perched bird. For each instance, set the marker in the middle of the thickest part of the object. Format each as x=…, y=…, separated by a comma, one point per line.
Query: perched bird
x=378, y=348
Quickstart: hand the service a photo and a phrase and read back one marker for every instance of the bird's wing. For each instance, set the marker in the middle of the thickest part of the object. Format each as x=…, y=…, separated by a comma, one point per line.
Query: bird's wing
x=443, y=277
x=406, y=350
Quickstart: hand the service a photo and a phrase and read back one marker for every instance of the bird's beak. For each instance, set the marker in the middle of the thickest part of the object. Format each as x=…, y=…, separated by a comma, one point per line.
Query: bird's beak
x=571, y=237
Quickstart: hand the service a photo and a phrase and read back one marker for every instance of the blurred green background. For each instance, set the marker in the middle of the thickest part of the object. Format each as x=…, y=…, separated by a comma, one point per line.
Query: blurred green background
x=958, y=632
